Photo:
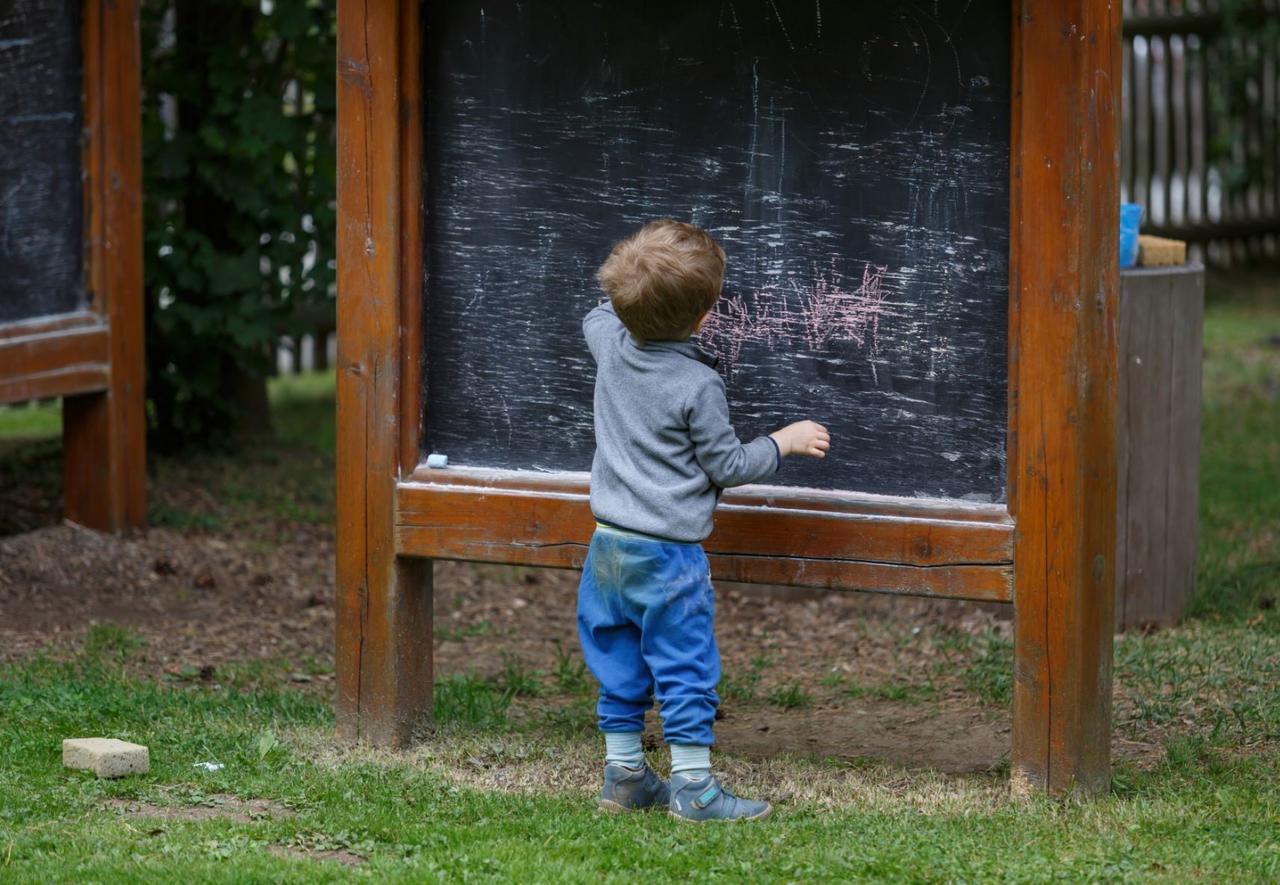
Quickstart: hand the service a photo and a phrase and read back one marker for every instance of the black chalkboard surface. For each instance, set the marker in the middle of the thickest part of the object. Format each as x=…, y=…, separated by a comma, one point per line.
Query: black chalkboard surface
x=41, y=196
x=851, y=158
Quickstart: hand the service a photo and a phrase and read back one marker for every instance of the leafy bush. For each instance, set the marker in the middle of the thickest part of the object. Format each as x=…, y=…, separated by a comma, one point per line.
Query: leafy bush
x=238, y=158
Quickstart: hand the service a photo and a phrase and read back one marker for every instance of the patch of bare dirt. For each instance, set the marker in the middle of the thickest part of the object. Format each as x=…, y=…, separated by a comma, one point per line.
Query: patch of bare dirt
x=196, y=600
x=219, y=806
x=958, y=739
x=332, y=855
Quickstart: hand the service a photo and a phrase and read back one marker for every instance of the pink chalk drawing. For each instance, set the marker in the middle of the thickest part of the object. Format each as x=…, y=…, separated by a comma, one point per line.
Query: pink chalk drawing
x=816, y=318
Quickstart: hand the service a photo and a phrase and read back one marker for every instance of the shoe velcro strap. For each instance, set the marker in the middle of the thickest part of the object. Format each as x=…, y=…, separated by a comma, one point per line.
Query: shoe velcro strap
x=707, y=797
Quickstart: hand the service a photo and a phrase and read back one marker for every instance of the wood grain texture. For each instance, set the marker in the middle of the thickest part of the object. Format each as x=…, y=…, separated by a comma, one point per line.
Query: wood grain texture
x=788, y=497
x=762, y=537
x=72, y=358
x=1065, y=285
x=47, y=351
x=1157, y=507
x=383, y=625
x=62, y=381
x=104, y=434
x=982, y=583
x=52, y=325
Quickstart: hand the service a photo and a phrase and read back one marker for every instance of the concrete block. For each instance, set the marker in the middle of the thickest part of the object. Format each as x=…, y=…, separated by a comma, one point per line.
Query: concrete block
x=106, y=757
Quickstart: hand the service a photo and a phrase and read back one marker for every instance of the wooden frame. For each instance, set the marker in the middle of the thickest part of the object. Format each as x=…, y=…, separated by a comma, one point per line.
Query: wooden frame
x=1049, y=551
x=93, y=358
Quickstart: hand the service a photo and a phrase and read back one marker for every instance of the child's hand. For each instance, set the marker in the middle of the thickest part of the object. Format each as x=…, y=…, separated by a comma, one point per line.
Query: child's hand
x=803, y=438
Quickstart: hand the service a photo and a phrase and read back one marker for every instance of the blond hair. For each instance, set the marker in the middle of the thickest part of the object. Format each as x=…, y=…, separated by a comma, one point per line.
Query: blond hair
x=663, y=278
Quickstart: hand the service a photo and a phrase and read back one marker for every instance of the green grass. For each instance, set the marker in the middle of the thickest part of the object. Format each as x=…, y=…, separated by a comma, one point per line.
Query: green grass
x=1203, y=813
x=893, y=691
x=29, y=421
x=741, y=686
x=302, y=407
x=790, y=696
x=470, y=701
x=1240, y=453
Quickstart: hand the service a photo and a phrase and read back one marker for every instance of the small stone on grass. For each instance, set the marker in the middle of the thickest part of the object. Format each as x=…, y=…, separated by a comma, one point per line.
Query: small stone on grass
x=106, y=757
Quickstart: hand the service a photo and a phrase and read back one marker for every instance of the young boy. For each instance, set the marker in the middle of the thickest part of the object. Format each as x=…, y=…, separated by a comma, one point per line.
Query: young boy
x=664, y=451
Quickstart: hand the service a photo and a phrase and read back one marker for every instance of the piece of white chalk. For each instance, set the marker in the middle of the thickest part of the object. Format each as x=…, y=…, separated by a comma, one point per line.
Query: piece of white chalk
x=435, y=459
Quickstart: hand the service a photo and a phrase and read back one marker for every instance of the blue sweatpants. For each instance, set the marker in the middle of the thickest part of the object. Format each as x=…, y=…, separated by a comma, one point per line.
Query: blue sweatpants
x=645, y=620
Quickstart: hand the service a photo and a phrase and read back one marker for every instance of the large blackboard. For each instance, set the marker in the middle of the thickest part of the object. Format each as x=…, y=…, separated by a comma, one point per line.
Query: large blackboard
x=41, y=184
x=852, y=158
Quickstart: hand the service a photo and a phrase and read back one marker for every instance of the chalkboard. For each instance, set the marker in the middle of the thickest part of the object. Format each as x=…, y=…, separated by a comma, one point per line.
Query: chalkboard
x=41, y=196
x=852, y=159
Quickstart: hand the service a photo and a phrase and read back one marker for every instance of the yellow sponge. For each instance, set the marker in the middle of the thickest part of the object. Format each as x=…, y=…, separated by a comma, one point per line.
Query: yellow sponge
x=1159, y=252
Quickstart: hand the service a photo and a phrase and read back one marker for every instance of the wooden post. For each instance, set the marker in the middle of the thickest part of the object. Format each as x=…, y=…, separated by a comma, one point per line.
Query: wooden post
x=384, y=601
x=1063, y=368
x=104, y=432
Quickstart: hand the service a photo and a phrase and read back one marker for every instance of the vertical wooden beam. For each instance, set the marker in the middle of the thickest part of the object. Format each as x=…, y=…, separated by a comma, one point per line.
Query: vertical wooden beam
x=1063, y=466
x=104, y=434
x=384, y=603
x=412, y=258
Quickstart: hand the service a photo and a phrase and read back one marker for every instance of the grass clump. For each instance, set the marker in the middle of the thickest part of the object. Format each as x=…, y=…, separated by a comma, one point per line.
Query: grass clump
x=988, y=672
x=518, y=680
x=570, y=673
x=1239, y=574
x=468, y=701
x=790, y=696
x=741, y=686
x=893, y=691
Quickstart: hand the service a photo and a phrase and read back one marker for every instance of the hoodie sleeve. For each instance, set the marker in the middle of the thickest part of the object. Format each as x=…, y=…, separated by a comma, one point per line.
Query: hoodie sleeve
x=600, y=325
x=725, y=459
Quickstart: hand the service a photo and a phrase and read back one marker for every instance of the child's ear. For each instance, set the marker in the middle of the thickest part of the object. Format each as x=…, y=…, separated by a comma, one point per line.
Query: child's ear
x=697, y=327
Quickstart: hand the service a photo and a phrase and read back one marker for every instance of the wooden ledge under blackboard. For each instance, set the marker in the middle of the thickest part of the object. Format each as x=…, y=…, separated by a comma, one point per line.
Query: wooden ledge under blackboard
x=54, y=356
x=764, y=534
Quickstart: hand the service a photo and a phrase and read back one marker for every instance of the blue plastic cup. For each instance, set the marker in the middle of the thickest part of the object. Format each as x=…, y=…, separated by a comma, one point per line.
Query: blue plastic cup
x=1130, y=220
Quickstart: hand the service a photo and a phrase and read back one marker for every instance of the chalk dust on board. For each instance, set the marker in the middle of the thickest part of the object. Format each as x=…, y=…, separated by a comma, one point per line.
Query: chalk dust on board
x=852, y=159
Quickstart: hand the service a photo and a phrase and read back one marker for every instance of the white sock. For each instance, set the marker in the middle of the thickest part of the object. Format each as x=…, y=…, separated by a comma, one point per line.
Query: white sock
x=623, y=748
x=692, y=761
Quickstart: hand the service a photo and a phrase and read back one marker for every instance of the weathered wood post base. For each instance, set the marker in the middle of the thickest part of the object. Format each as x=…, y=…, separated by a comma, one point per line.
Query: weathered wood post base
x=384, y=689
x=104, y=461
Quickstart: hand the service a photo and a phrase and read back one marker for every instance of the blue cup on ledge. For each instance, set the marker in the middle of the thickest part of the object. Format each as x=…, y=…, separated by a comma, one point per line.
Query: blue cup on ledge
x=1130, y=220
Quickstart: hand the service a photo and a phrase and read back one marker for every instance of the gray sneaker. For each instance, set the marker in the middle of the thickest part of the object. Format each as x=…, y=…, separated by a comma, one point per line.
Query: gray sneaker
x=706, y=800
x=632, y=789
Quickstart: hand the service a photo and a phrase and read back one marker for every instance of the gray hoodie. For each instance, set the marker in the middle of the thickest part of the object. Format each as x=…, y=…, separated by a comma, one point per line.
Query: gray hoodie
x=664, y=444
